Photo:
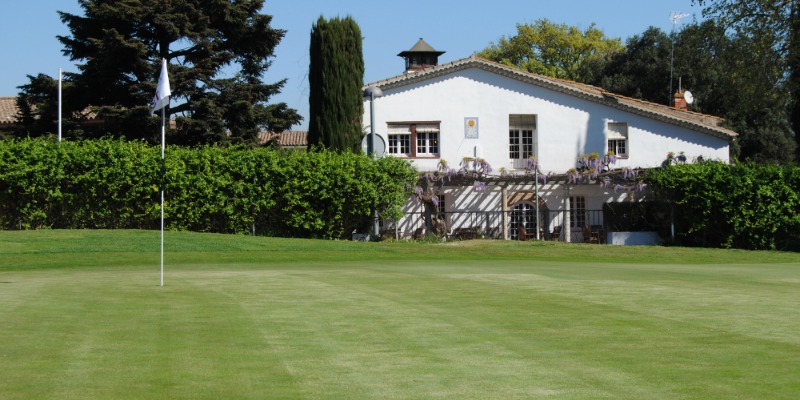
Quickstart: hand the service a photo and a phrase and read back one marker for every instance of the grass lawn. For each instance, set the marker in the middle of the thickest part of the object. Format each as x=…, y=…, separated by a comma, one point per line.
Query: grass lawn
x=82, y=316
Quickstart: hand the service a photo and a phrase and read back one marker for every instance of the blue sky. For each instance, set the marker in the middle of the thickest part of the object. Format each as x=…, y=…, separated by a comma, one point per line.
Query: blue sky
x=29, y=46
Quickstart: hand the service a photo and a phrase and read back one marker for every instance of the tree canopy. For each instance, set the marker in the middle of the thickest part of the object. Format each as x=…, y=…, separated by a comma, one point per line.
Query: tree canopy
x=217, y=51
x=731, y=75
x=642, y=69
x=336, y=76
x=779, y=22
x=556, y=50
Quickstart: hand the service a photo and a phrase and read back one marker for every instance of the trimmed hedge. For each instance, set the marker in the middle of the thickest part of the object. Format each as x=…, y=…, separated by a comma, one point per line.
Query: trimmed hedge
x=745, y=206
x=115, y=184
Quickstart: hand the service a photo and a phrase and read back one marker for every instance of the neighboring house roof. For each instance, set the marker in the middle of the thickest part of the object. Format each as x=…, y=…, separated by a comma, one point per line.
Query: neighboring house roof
x=8, y=116
x=286, y=138
x=8, y=110
x=692, y=120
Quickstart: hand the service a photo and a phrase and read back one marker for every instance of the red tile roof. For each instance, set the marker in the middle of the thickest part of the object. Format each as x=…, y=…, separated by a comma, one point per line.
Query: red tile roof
x=705, y=123
x=8, y=110
x=286, y=138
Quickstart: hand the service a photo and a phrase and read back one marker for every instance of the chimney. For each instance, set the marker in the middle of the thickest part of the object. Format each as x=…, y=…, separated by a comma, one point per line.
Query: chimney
x=679, y=101
x=420, y=57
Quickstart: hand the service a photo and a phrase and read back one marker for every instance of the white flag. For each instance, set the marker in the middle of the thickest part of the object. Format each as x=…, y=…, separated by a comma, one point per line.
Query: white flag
x=161, y=99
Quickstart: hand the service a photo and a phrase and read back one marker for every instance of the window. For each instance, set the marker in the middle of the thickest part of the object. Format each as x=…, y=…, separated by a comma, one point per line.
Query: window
x=440, y=206
x=521, y=139
x=400, y=140
x=427, y=140
x=523, y=215
x=618, y=138
x=577, y=211
x=414, y=139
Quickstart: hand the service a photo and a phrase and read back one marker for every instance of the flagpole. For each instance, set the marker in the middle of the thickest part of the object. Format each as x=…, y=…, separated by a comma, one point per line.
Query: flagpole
x=163, y=183
x=161, y=102
x=59, y=105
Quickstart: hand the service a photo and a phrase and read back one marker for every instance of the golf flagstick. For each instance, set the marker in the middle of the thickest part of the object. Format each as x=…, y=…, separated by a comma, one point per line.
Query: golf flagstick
x=160, y=102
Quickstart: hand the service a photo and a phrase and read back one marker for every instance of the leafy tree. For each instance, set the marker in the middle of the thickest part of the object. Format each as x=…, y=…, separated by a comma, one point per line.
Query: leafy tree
x=336, y=76
x=735, y=76
x=779, y=20
x=556, y=50
x=218, y=53
x=642, y=70
x=731, y=76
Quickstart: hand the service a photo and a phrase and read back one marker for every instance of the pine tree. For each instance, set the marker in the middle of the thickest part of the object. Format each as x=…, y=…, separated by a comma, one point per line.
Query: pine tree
x=217, y=54
x=336, y=75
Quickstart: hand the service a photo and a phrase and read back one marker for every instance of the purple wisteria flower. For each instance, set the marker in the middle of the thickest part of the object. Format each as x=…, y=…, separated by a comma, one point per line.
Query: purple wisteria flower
x=610, y=159
x=573, y=175
x=628, y=173
x=450, y=173
x=479, y=186
x=543, y=178
x=484, y=166
x=533, y=166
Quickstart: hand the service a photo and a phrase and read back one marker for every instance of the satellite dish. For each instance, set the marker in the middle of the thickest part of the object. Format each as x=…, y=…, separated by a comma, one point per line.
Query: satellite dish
x=687, y=95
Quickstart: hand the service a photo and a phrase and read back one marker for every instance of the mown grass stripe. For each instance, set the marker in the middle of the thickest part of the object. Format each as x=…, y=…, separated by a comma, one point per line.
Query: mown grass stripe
x=291, y=323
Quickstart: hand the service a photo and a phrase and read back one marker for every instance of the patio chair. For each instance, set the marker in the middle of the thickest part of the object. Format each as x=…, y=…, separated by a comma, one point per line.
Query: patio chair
x=556, y=234
x=590, y=236
x=522, y=235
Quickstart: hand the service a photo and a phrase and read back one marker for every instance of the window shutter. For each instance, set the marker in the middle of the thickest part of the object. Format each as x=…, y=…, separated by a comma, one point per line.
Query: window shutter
x=399, y=129
x=617, y=131
x=427, y=128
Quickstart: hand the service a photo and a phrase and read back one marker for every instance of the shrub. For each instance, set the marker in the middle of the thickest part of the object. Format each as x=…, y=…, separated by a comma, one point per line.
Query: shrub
x=746, y=206
x=116, y=184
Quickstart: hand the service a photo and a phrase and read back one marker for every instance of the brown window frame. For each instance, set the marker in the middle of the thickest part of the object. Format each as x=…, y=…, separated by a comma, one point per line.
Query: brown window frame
x=413, y=141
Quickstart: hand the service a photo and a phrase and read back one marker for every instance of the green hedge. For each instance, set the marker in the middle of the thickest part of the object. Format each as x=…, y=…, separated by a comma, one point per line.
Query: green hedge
x=745, y=206
x=112, y=184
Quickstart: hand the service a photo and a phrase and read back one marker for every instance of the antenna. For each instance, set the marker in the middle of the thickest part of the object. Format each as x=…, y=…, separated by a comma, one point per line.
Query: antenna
x=675, y=17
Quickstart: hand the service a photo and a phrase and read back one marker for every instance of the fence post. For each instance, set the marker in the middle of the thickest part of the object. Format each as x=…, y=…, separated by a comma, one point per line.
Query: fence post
x=504, y=210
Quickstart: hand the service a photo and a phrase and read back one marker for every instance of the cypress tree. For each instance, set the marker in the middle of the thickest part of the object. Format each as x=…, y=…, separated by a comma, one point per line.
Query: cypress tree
x=336, y=76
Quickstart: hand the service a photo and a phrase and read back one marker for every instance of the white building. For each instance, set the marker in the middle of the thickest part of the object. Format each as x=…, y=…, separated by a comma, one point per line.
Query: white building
x=476, y=108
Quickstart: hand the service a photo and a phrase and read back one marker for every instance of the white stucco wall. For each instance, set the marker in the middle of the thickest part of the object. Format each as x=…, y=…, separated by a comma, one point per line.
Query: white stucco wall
x=567, y=126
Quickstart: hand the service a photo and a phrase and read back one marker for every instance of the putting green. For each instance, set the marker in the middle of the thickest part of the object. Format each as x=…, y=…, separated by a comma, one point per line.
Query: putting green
x=83, y=323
